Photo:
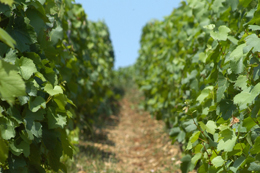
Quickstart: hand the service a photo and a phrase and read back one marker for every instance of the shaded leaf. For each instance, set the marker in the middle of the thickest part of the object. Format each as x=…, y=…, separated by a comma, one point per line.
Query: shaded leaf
x=37, y=103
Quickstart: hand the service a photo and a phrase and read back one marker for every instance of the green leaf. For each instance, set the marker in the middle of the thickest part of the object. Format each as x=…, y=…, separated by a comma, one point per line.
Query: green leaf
x=195, y=159
x=33, y=127
x=8, y=2
x=256, y=90
x=241, y=82
x=238, y=163
x=53, y=91
x=226, y=109
x=217, y=5
x=245, y=97
x=222, y=86
x=237, y=66
x=221, y=34
x=227, y=140
x=11, y=56
x=204, y=93
x=255, y=109
x=61, y=101
x=16, y=164
x=36, y=19
x=232, y=39
x=254, y=166
x=67, y=148
x=3, y=151
x=56, y=35
x=55, y=120
x=252, y=41
x=20, y=148
x=36, y=104
x=42, y=1
x=26, y=66
x=233, y=4
x=202, y=57
x=210, y=26
x=244, y=3
x=11, y=84
x=52, y=141
x=248, y=123
x=256, y=146
x=7, y=128
x=6, y=38
x=236, y=54
x=254, y=27
x=211, y=127
x=31, y=88
x=23, y=33
x=218, y=161
x=242, y=99
x=190, y=126
x=193, y=138
x=186, y=163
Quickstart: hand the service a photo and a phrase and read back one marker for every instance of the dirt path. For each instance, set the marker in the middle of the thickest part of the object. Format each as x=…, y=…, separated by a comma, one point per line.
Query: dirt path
x=136, y=143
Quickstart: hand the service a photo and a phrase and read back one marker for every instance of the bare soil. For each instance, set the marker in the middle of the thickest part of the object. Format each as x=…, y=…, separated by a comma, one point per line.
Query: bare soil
x=134, y=142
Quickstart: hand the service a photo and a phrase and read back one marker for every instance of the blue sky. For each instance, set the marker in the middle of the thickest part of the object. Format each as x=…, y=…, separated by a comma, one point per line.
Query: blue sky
x=125, y=20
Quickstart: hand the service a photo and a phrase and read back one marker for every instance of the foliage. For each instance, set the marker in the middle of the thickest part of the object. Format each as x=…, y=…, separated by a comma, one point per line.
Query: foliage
x=55, y=69
x=199, y=71
x=124, y=77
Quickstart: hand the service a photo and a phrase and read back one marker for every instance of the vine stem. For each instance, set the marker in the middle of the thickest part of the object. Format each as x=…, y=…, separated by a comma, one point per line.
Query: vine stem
x=207, y=152
x=49, y=99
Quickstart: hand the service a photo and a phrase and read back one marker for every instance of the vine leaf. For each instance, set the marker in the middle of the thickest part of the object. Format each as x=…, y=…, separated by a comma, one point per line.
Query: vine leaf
x=236, y=54
x=23, y=33
x=254, y=166
x=37, y=103
x=222, y=86
x=55, y=120
x=227, y=140
x=222, y=33
x=3, y=150
x=6, y=38
x=256, y=146
x=217, y=5
x=254, y=27
x=241, y=82
x=218, y=161
x=11, y=83
x=251, y=42
x=7, y=128
x=247, y=97
x=56, y=34
x=204, y=93
x=26, y=66
x=53, y=91
x=211, y=127
x=193, y=138
x=20, y=148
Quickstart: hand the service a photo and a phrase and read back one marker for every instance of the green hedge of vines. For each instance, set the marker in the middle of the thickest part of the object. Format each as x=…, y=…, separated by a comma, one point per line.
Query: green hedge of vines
x=55, y=70
x=199, y=69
